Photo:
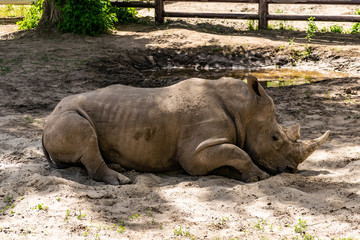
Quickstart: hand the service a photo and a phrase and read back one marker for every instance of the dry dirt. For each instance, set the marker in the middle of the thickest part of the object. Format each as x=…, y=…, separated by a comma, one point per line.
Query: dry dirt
x=39, y=202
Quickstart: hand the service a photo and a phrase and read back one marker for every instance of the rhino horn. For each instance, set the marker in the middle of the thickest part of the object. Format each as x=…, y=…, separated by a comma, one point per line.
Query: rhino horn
x=293, y=132
x=309, y=146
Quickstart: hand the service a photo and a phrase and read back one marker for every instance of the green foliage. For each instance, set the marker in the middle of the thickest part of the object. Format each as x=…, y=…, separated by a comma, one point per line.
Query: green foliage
x=40, y=207
x=32, y=17
x=291, y=41
x=251, y=25
x=324, y=29
x=92, y=17
x=125, y=15
x=132, y=217
x=308, y=51
x=86, y=233
x=182, y=232
x=8, y=200
x=311, y=29
x=87, y=17
x=4, y=69
x=120, y=228
x=281, y=25
x=67, y=215
x=29, y=119
x=336, y=28
x=356, y=26
x=301, y=226
x=80, y=216
x=260, y=225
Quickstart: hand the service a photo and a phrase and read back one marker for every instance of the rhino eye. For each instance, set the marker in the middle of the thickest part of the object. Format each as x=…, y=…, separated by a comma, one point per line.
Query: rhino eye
x=275, y=138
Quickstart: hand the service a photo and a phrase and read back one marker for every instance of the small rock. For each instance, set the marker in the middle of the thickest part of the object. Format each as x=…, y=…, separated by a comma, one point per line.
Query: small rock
x=281, y=60
x=349, y=90
x=151, y=60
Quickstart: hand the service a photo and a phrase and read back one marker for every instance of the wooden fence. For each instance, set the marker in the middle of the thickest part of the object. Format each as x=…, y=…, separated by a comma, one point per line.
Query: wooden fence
x=263, y=10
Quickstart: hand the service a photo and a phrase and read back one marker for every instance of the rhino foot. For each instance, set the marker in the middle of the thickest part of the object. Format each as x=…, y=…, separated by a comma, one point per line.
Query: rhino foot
x=119, y=179
x=257, y=177
x=111, y=177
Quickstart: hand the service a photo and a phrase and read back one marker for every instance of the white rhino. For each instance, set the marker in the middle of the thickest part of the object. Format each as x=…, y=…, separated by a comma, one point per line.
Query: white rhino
x=198, y=125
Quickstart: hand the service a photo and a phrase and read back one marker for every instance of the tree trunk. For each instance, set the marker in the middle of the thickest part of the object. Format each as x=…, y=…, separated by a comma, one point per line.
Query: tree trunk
x=51, y=14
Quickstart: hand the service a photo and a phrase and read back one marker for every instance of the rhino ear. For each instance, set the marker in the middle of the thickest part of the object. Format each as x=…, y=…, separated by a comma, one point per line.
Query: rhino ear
x=255, y=87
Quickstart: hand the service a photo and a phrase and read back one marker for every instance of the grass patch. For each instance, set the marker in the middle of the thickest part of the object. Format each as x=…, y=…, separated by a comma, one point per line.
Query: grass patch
x=183, y=233
x=40, y=207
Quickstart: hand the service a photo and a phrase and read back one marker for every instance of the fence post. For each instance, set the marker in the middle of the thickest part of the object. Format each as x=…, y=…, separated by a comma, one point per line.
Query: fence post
x=263, y=12
x=159, y=11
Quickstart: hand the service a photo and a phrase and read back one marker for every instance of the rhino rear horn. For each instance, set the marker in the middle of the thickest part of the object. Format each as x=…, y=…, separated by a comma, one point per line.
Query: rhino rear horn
x=293, y=132
x=309, y=146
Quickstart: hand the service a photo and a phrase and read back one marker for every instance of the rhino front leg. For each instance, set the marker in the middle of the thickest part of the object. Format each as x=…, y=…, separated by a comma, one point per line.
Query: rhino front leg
x=69, y=139
x=213, y=157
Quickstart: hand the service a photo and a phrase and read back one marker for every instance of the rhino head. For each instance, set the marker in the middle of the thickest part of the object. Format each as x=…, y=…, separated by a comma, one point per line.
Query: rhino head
x=273, y=148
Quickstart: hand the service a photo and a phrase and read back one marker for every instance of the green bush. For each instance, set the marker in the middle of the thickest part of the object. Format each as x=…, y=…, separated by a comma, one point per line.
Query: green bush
x=32, y=17
x=125, y=15
x=87, y=17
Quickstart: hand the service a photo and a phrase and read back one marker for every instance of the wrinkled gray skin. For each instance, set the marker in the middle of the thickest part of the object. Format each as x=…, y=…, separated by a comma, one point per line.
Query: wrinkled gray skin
x=198, y=125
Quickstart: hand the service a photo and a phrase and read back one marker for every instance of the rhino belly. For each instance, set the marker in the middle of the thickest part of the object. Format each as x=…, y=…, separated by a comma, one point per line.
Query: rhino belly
x=142, y=150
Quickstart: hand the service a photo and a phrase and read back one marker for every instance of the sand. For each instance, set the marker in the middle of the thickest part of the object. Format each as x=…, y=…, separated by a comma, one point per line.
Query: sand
x=38, y=202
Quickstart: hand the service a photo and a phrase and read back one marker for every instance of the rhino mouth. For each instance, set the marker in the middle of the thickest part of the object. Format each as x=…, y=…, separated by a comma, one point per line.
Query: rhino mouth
x=287, y=169
x=279, y=170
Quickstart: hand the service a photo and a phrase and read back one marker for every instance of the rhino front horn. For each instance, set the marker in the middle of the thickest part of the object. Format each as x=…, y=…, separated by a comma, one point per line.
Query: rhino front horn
x=309, y=146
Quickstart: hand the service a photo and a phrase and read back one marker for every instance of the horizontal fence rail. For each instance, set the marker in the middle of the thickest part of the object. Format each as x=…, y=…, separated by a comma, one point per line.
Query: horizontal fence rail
x=211, y=15
x=332, y=18
x=136, y=4
x=265, y=17
x=263, y=10
x=323, y=2
x=223, y=1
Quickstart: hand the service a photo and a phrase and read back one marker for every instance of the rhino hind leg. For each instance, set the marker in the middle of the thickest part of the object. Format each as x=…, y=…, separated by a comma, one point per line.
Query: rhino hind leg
x=70, y=139
x=222, y=159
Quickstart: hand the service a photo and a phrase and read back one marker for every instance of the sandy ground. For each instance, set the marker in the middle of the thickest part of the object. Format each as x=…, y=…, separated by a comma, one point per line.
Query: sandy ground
x=38, y=202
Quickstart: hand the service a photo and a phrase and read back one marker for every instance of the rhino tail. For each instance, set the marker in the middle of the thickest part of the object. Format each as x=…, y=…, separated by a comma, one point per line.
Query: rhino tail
x=50, y=160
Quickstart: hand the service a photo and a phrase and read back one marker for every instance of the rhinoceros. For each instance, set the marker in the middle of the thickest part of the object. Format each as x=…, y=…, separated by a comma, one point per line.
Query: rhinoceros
x=198, y=125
